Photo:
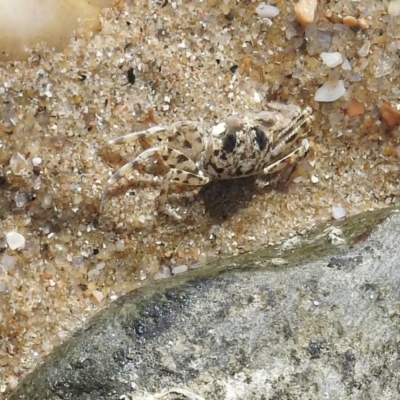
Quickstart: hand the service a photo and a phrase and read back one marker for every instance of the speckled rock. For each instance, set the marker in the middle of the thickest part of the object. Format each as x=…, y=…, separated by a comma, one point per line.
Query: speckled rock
x=326, y=328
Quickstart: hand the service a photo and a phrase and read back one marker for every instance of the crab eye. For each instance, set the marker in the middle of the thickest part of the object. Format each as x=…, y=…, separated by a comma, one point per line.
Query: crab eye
x=229, y=143
x=261, y=139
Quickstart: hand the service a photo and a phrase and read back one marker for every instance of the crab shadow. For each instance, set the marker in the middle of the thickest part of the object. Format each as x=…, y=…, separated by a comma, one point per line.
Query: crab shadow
x=223, y=199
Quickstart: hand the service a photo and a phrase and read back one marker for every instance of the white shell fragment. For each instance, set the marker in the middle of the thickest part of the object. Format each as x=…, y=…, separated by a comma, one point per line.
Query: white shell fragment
x=266, y=11
x=332, y=60
x=330, y=91
x=338, y=212
x=15, y=240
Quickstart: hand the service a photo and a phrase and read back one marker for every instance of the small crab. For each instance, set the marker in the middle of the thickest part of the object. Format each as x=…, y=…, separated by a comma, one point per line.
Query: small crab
x=258, y=143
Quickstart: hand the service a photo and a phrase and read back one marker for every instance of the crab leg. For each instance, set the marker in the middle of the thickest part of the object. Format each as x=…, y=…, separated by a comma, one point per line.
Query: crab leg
x=293, y=157
x=186, y=173
x=182, y=177
x=160, y=132
x=185, y=136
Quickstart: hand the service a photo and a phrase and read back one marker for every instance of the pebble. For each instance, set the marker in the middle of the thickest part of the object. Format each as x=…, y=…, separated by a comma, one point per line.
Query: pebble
x=98, y=296
x=350, y=21
x=305, y=11
x=346, y=65
x=7, y=262
x=36, y=161
x=179, y=269
x=332, y=60
x=394, y=8
x=314, y=179
x=266, y=11
x=363, y=51
x=330, y=91
x=362, y=24
x=355, y=107
x=15, y=240
x=389, y=114
x=164, y=273
x=338, y=212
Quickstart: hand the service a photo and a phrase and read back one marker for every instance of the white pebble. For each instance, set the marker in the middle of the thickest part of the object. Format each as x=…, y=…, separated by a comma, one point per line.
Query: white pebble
x=36, y=161
x=7, y=262
x=332, y=60
x=298, y=179
x=179, y=269
x=363, y=51
x=257, y=97
x=338, y=212
x=142, y=219
x=266, y=11
x=394, y=8
x=15, y=240
x=314, y=179
x=346, y=65
x=330, y=91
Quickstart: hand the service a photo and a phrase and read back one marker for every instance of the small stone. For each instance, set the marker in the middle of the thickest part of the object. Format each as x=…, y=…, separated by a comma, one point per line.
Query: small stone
x=363, y=51
x=384, y=66
x=257, y=97
x=179, y=269
x=266, y=11
x=332, y=60
x=389, y=114
x=305, y=11
x=166, y=271
x=346, y=65
x=7, y=262
x=36, y=161
x=98, y=296
x=18, y=164
x=338, y=212
x=21, y=199
x=355, y=107
x=329, y=91
x=350, y=21
x=298, y=179
x=314, y=179
x=362, y=24
x=15, y=241
x=394, y=8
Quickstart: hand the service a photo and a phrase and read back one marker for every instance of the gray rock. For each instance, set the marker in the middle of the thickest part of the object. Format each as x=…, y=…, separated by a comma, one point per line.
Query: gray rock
x=316, y=317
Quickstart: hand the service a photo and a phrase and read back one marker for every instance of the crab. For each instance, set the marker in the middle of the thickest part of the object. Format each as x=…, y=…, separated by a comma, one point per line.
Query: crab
x=256, y=143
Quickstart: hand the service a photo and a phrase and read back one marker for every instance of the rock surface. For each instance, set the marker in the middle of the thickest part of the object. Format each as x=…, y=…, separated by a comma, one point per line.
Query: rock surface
x=250, y=327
